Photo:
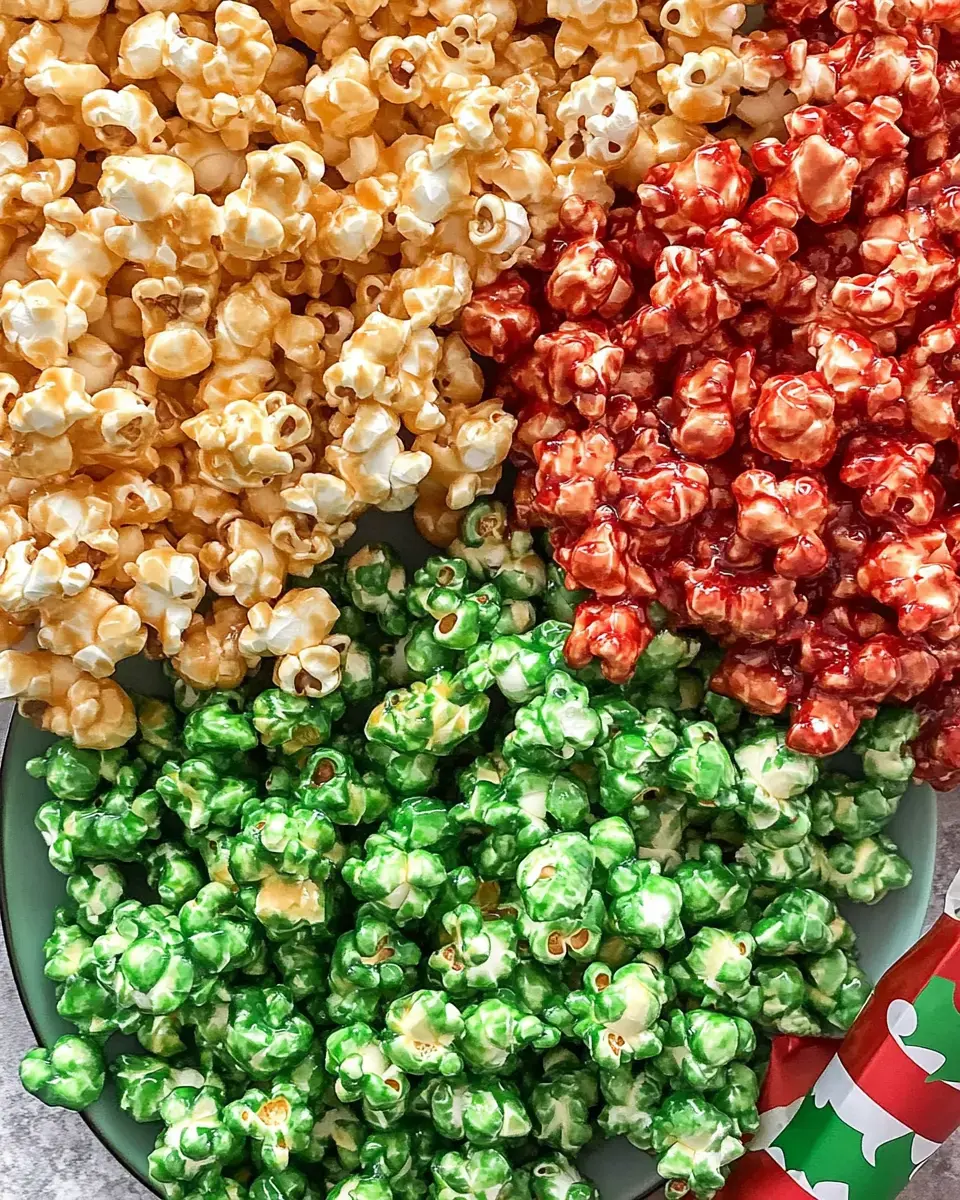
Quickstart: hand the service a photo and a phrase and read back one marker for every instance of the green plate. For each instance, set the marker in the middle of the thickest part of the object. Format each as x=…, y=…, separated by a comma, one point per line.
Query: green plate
x=30, y=890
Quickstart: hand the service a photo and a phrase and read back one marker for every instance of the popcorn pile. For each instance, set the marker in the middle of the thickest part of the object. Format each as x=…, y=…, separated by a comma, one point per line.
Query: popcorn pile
x=737, y=397
x=347, y=986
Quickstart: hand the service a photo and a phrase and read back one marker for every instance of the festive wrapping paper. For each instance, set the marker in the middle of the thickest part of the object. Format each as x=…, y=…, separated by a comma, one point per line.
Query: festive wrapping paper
x=854, y=1120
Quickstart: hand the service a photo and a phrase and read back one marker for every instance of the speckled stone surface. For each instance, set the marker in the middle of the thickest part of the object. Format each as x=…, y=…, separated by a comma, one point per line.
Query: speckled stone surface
x=48, y=1155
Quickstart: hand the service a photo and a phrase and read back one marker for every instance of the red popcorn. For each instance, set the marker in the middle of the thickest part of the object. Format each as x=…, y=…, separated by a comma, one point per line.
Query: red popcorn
x=793, y=420
x=499, y=320
x=744, y=400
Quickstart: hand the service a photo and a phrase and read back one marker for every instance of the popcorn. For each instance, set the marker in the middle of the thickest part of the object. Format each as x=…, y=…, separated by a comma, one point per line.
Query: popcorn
x=237, y=306
x=296, y=631
x=63, y=700
x=166, y=590
x=369, y=456
x=698, y=88
x=246, y=443
x=243, y=563
x=91, y=629
x=39, y=322
x=209, y=655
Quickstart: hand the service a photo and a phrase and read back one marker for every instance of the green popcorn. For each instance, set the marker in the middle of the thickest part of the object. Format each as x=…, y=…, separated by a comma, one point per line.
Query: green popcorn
x=701, y=767
x=632, y=1097
x=576, y=937
x=290, y=1184
x=279, y=1121
x=695, y=1142
x=399, y=884
x=645, y=905
x=280, y=836
x=115, y=828
x=659, y=830
x=618, y=1012
x=96, y=889
x=773, y=778
x=213, y=845
x=419, y=823
x=883, y=743
x=201, y=795
x=836, y=989
x=617, y=716
x=712, y=890
x=331, y=783
x=542, y=992
x=407, y=774
x=630, y=766
x=556, y=878
x=796, y=865
x=143, y=960
x=864, y=871
x=144, y=1082
x=799, y=921
x=476, y=1174
x=195, y=1136
x=425, y=1026
x=359, y=674
x=89, y=1006
x=161, y=1035
x=561, y=1102
x=554, y=728
x=72, y=773
x=355, y=1058
x=70, y=1075
x=560, y=602
x=478, y=954
x=722, y=711
x=482, y=1111
x=698, y=1045
x=218, y=936
x=516, y=616
x=209, y=1185
x=531, y=799
x=736, y=1097
x=416, y=656
x=437, y=585
x=492, y=552
x=307, y=1075
x=173, y=873
x=68, y=950
x=371, y=963
x=850, y=808
x=556, y=1178
x=496, y=1029
x=376, y=582
x=337, y=1129
x=159, y=729
x=398, y=1158
x=284, y=904
x=717, y=963
x=301, y=964
x=433, y=716
x=217, y=726
x=613, y=843
x=294, y=723
x=265, y=1034
x=777, y=994
x=360, y=1187
x=519, y=665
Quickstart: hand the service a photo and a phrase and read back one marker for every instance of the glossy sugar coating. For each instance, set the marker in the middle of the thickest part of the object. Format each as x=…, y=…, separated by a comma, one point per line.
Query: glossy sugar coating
x=433, y=940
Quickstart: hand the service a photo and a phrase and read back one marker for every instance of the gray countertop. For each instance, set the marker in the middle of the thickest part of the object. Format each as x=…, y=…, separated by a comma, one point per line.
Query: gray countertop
x=47, y=1154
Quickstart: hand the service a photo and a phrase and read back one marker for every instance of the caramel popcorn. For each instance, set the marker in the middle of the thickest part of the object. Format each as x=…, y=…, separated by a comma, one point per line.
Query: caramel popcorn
x=295, y=631
x=237, y=245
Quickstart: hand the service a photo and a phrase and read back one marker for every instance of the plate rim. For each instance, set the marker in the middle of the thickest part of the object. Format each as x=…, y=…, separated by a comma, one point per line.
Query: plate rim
x=7, y=714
